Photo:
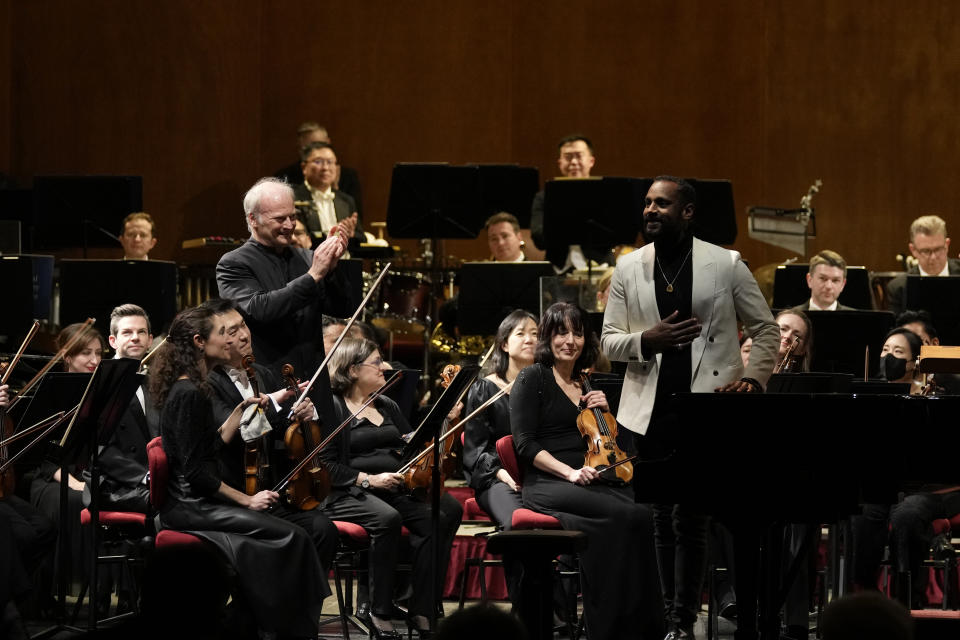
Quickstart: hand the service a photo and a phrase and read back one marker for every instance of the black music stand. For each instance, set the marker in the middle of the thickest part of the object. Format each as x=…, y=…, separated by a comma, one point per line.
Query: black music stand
x=431, y=428
x=940, y=297
x=29, y=283
x=810, y=383
x=510, y=188
x=840, y=339
x=404, y=393
x=57, y=391
x=86, y=208
x=108, y=394
x=491, y=290
x=595, y=213
x=790, y=287
x=434, y=200
x=92, y=288
x=715, y=218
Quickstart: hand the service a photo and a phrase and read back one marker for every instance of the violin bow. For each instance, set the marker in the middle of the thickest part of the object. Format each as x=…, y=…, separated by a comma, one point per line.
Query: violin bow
x=57, y=419
x=450, y=432
x=309, y=457
x=343, y=334
x=79, y=335
x=618, y=463
x=19, y=354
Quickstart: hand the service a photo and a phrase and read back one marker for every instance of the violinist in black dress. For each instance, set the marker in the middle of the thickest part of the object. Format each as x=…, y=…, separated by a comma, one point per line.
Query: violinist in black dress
x=618, y=569
x=279, y=574
x=367, y=490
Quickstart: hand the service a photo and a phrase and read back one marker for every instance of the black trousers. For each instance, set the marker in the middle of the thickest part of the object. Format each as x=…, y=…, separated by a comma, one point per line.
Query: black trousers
x=35, y=534
x=500, y=501
x=382, y=514
x=318, y=526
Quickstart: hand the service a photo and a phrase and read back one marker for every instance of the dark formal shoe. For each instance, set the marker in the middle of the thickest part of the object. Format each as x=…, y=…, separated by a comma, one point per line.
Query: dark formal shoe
x=680, y=634
x=414, y=626
x=795, y=632
x=383, y=634
x=363, y=611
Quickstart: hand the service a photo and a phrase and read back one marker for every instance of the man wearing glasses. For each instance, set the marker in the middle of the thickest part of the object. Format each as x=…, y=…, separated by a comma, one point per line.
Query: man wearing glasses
x=319, y=204
x=930, y=245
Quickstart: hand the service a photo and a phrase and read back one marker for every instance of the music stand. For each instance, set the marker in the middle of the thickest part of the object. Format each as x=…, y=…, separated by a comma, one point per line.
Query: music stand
x=940, y=297
x=491, y=290
x=510, y=188
x=68, y=208
x=430, y=428
x=29, y=282
x=790, y=287
x=57, y=391
x=92, y=288
x=108, y=394
x=840, y=338
x=715, y=218
x=810, y=383
x=434, y=200
x=595, y=213
x=404, y=393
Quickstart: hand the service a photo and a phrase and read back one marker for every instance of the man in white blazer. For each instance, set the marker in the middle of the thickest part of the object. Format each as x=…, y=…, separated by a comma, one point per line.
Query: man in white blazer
x=672, y=316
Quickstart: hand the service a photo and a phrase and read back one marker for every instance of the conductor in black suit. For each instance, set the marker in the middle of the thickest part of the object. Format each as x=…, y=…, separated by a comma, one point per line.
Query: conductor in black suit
x=320, y=204
x=283, y=291
x=123, y=461
x=230, y=385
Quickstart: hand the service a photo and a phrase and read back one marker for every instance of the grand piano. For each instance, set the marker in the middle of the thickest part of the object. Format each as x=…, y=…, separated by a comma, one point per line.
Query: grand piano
x=756, y=462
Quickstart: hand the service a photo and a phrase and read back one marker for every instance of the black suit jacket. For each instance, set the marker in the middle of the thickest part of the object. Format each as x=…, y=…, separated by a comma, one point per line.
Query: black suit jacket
x=343, y=205
x=123, y=460
x=558, y=255
x=283, y=307
x=349, y=182
x=806, y=307
x=225, y=397
x=896, y=288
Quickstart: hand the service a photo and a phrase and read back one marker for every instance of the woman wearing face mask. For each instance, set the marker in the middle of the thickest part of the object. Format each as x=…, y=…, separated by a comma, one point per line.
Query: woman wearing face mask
x=901, y=348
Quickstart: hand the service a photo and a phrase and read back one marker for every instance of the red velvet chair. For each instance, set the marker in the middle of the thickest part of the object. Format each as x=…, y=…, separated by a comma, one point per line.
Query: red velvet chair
x=522, y=518
x=159, y=477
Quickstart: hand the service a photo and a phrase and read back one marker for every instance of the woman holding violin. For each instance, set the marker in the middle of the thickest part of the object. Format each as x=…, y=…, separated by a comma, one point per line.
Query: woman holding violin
x=620, y=583
x=280, y=577
x=363, y=461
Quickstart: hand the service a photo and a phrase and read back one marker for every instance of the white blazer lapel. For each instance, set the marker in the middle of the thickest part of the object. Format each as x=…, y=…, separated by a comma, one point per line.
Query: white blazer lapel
x=704, y=291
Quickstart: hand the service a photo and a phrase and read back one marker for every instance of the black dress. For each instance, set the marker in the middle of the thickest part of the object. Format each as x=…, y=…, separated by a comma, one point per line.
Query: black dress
x=480, y=460
x=364, y=446
x=621, y=587
x=275, y=561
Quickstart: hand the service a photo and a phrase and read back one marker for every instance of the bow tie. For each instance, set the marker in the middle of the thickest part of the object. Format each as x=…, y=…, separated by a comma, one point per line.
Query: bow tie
x=326, y=196
x=238, y=375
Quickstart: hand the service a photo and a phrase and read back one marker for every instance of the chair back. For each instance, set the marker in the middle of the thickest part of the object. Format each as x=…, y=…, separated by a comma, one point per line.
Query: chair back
x=508, y=458
x=159, y=472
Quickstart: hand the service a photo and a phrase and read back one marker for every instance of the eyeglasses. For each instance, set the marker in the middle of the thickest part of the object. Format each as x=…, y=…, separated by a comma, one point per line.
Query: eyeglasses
x=323, y=162
x=376, y=363
x=929, y=253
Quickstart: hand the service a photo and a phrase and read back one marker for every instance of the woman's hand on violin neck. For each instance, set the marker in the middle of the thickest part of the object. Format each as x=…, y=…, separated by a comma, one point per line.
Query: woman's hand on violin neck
x=455, y=412
x=583, y=475
x=263, y=500
x=505, y=478
x=305, y=411
x=595, y=400
x=4, y=395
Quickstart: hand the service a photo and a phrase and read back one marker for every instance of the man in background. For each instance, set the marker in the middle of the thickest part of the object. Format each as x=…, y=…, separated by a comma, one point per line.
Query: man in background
x=347, y=179
x=826, y=278
x=138, y=236
x=929, y=244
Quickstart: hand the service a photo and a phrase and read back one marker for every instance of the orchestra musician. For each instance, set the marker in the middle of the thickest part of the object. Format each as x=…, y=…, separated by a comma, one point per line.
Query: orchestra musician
x=672, y=316
x=621, y=592
x=123, y=460
x=280, y=577
x=503, y=238
x=929, y=245
x=826, y=277
x=325, y=206
x=282, y=291
x=497, y=493
x=230, y=385
x=82, y=357
x=363, y=461
x=348, y=181
x=796, y=331
x=898, y=358
x=301, y=237
x=138, y=236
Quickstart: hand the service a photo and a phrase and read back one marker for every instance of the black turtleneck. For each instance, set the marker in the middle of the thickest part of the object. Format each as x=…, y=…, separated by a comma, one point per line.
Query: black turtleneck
x=674, y=265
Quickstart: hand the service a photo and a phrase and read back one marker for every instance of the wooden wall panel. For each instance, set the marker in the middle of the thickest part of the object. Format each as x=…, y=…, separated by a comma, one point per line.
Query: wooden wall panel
x=203, y=98
x=6, y=93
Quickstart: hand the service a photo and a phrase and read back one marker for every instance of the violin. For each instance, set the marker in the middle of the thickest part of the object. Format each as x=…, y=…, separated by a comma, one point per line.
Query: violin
x=418, y=474
x=599, y=430
x=256, y=460
x=307, y=488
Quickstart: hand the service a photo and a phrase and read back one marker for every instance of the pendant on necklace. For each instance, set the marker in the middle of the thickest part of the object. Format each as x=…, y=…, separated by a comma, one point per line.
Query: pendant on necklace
x=669, y=288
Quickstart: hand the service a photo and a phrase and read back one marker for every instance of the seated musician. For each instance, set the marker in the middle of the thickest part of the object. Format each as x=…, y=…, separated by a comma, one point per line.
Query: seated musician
x=620, y=583
x=796, y=331
x=230, y=385
x=503, y=238
x=930, y=246
x=826, y=278
x=496, y=492
x=301, y=237
x=898, y=359
x=138, y=236
x=82, y=357
x=123, y=460
x=320, y=205
x=280, y=577
x=363, y=463
x=920, y=323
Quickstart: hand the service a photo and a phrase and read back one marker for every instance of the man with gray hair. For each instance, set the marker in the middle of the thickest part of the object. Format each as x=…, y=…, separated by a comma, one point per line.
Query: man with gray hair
x=930, y=245
x=283, y=290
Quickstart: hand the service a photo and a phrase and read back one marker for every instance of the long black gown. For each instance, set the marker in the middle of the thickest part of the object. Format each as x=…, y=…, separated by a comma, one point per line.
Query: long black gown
x=620, y=583
x=275, y=561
